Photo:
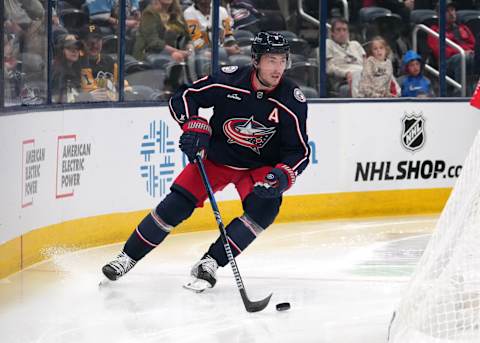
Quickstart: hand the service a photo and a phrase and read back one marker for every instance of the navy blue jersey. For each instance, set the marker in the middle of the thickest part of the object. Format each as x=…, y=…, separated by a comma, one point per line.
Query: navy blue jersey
x=250, y=128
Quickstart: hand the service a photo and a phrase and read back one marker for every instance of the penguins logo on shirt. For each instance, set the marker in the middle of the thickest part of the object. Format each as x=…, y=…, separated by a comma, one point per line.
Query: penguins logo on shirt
x=248, y=133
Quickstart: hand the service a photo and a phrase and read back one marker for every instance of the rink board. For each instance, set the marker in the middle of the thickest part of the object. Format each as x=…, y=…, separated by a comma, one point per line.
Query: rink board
x=84, y=177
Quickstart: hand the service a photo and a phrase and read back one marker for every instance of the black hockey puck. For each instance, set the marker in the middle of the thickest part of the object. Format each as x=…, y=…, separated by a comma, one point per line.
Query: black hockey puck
x=283, y=306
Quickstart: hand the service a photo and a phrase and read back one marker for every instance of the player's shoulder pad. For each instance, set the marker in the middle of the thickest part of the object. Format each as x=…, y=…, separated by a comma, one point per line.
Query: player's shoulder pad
x=293, y=92
x=229, y=69
x=230, y=74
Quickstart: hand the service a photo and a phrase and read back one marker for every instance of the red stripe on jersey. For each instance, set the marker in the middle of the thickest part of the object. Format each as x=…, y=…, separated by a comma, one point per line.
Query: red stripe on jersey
x=220, y=85
x=298, y=130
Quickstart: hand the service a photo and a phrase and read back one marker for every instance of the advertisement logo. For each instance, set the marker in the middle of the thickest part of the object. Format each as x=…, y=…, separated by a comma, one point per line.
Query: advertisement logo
x=71, y=158
x=158, y=152
x=248, y=133
x=32, y=159
x=413, y=131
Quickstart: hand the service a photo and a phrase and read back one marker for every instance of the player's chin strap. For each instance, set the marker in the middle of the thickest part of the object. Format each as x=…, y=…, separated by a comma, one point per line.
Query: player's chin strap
x=260, y=80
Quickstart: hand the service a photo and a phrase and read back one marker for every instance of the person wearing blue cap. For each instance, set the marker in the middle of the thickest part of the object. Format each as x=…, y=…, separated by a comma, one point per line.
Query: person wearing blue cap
x=414, y=83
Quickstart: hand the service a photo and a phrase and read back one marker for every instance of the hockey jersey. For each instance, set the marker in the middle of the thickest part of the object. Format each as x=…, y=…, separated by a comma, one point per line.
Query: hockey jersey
x=200, y=27
x=250, y=127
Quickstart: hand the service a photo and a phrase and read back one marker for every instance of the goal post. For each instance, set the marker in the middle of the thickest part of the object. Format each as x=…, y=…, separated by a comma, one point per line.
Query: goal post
x=442, y=301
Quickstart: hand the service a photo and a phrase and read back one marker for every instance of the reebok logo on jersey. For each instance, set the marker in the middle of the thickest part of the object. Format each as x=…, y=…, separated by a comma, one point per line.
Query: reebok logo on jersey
x=248, y=133
x=234, y=96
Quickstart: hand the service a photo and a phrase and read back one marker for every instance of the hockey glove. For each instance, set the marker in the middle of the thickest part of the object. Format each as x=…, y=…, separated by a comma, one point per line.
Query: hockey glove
x=277, y=181
x=195, y=137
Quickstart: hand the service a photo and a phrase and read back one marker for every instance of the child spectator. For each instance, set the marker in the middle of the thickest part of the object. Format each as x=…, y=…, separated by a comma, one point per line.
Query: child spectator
x=414, y=83
x=377, y=80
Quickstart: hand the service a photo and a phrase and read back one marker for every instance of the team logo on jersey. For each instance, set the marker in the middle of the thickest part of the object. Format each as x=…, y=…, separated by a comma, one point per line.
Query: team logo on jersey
x=413, y=131
x=248, y=133
x=229, y=69
x=298, y=94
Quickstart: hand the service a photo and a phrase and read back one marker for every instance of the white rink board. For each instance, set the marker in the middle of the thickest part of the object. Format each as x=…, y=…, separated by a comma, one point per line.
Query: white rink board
x=102, y=169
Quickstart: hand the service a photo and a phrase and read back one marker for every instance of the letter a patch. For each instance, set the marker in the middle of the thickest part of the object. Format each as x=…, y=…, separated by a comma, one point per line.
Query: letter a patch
x=274, y=116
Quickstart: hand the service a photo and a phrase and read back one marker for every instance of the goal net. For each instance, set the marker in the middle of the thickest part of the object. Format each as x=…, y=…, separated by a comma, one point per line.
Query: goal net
x=442, y=301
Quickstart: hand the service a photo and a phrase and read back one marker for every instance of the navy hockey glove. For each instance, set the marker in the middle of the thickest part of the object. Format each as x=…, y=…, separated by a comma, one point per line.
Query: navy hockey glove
x=195, y=137
x=277, y=181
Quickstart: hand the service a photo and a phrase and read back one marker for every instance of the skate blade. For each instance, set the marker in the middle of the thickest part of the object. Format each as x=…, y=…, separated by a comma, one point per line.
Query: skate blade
x=104, y=282
x=197, y=285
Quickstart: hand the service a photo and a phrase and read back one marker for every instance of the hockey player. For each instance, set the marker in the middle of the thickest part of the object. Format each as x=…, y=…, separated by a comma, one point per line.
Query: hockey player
x=256, y=139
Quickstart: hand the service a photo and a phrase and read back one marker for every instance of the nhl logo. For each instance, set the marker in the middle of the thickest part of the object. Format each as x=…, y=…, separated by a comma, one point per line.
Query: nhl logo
x=413, y=131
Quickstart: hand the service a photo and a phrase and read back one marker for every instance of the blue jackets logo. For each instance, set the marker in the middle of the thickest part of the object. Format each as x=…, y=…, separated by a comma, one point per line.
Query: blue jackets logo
x=248, y=133
x=158, y=152
x=413, y=131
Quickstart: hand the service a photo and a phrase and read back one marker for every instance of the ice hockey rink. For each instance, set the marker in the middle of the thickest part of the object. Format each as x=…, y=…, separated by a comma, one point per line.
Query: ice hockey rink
x=342, y=278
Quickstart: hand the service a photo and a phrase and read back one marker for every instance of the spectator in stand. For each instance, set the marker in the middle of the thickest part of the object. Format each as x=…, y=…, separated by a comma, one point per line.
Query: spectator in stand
x=99, y=72
x=163, y=30
x=414, y=83
x=344, y=59
x=199, y=21
x=377, y=80
x=459, y=34
x=66, y=84
x=13, y=78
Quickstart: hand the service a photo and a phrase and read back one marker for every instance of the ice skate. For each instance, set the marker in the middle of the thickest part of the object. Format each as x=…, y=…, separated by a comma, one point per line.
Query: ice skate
x=118, y=267
x=204, y=274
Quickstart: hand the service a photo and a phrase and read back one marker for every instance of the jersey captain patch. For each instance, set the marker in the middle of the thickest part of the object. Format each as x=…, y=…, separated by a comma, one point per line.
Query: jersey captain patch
x=229, y=69
x=298, y=94
x=248, y=133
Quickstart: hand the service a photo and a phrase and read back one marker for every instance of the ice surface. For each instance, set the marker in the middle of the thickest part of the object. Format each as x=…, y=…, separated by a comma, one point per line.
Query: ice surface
x=342, y=278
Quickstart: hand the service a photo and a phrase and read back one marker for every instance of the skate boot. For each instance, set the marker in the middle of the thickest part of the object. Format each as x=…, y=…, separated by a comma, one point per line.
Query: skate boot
x=118, y=267
x=204, y=274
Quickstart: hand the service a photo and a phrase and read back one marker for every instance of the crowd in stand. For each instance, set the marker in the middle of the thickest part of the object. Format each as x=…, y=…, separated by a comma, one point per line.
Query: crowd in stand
x=168, y=42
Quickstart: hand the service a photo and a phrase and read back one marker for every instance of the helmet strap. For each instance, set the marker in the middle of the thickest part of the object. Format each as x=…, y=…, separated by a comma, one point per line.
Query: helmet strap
x=260, y=80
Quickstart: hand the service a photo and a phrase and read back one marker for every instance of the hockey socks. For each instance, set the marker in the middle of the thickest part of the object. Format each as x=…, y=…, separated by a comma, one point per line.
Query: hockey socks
x=151, y=231
x=156, y=226
x=240, y=233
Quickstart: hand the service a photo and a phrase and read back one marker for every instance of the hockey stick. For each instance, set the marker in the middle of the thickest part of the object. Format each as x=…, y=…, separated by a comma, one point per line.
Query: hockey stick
x=250, y=306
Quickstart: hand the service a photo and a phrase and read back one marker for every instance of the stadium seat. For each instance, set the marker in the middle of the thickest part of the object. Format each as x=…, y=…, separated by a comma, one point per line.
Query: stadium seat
x=471, y=18
x=309, y=92
x=288, y=34
x=132, y=67
x=297, y=58
x=73, y=19
x=158, y=61
x=141, y=92
x=380, y=21
x=369, y=14
x=299, y=46
x=244, y=41
x=423, y=16
x=152, y=78
x=240, y=60
x=238, y=34
x=304, y=73
x=272, y=21
x=110, y=44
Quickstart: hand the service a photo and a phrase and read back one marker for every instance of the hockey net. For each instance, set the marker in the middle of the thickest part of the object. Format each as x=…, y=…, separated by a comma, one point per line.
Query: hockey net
x=442, y=301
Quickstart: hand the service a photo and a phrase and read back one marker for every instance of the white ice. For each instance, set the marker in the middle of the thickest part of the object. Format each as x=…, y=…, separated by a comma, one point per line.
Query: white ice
x=343, y=280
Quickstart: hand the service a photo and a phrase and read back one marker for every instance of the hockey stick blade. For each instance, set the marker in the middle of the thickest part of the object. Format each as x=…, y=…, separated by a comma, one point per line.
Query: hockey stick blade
x=254, y=306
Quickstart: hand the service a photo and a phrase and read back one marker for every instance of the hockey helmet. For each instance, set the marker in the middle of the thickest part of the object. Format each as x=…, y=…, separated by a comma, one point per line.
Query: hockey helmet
x=270, y=43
